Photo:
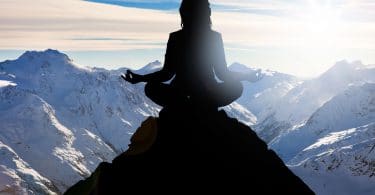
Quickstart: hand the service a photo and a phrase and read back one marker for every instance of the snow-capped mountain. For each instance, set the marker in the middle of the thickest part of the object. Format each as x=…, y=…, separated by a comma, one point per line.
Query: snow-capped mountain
x=299, y=103
x=323, y=128
x=63, y=120
x=351, y=108
x=59, y=120
x=334, y=150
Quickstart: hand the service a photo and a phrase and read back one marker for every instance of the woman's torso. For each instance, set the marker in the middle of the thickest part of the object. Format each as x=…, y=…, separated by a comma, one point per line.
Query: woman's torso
x=193, y=60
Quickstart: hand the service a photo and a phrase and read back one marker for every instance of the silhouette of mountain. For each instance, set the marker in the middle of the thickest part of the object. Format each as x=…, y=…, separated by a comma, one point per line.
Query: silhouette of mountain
x=192, y=149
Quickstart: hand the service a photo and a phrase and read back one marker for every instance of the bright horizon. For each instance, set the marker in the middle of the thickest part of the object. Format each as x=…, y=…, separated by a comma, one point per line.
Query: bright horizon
x=299, y=37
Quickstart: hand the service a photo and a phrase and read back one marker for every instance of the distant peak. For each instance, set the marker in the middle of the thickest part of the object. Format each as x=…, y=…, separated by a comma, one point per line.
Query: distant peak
x=156, y=62
x=237, y=64
x=343, y=67
x=152, y=66
x=52, y=51
x=344, y=64
x=238, y=67
x=49, y=53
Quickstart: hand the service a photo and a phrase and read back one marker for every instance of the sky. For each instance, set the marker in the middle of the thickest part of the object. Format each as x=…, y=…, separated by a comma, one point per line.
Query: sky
x=300, y=37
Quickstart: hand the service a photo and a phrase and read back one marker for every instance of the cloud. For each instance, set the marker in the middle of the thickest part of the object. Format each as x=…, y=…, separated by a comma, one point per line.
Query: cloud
x=309, y=27
x=39, y=24
x=83, y=25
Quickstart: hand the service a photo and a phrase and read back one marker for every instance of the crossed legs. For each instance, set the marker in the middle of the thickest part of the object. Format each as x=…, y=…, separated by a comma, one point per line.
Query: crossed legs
x=216, y=95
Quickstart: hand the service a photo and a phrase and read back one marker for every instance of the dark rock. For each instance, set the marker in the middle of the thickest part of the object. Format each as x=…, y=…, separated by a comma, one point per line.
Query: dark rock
x=190, y=149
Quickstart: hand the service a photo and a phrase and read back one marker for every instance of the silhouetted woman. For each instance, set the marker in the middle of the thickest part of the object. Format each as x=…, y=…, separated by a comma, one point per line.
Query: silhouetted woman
x=194, y=56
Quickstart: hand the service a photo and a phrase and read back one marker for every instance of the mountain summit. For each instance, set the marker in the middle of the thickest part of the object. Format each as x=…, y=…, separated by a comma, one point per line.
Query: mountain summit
x=196, y=150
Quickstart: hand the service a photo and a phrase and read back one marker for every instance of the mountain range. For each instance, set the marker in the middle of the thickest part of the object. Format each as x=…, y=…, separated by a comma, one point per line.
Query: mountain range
x=59, y=120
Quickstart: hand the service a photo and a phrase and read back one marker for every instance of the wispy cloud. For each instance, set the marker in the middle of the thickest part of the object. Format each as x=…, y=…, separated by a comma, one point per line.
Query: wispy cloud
x=43, y=23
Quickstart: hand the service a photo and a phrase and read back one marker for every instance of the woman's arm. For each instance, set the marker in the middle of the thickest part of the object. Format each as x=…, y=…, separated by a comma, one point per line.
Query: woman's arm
x=158, y=76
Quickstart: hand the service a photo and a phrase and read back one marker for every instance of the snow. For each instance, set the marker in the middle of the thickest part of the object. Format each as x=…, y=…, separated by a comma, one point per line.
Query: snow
x=316, y=92
x=323, y=128
x=300, y=102
x=262, y=94
x=239, y=112
x=151, y=67
x=4, y=83
x=339, y=163
x=333, y=150
x=331, y=138
x=17, y=177
x=349, y=109
x=71, y=117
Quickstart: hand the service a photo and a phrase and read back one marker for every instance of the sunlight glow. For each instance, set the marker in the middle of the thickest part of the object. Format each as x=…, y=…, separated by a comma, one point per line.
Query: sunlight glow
x=321, y=25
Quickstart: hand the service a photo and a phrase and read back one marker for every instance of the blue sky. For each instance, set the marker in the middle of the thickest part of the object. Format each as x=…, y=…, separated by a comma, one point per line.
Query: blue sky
x=157, y=5
x=301, y=37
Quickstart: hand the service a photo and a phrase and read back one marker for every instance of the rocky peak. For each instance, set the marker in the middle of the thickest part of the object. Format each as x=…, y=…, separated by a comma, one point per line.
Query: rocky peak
x=192, y=148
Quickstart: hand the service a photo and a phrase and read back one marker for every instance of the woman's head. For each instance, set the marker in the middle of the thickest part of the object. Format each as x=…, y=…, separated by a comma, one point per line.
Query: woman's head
x=195, y=13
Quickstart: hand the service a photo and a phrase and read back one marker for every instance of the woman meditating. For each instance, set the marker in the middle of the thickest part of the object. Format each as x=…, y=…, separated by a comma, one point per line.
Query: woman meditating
x=195, y=60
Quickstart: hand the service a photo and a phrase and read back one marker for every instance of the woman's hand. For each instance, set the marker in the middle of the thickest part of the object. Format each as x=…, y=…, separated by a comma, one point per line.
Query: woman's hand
x=131, y=77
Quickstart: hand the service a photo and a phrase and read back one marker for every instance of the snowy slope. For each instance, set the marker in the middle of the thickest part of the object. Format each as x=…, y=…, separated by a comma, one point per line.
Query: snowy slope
x=296, y=107
x=349, y=109
x=64, y=120
x=324, y=129
x=261, y=99
x=242, y=114
x=17, y=177
x=261, y=95
x=30, y=127
x=340, y=163
x=334, y=150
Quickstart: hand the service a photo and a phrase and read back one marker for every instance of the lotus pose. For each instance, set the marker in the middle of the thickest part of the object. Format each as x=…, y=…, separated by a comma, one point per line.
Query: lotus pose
x=195, y=60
